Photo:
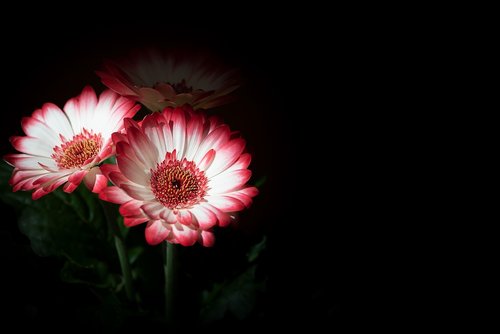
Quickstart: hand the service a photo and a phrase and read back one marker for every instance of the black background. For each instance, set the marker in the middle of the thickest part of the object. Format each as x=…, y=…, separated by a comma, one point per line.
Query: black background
x=280, y=112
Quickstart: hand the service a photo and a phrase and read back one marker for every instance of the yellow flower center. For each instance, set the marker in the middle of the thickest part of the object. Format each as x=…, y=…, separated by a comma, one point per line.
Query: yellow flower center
x=78, y=151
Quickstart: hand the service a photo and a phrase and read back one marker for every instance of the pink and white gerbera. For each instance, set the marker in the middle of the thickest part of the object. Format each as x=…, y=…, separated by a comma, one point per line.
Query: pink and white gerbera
x=66, y=147
x=158, y=80
x=181, y=173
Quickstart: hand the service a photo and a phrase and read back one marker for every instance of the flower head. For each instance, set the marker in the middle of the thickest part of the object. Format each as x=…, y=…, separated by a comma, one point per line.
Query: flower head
x=65, y=147
x=180, y=172
x=160, y=81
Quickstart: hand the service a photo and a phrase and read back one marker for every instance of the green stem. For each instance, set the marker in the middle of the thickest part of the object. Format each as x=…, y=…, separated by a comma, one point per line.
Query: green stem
x=169, y=269
x=125, y=265
x=110, y=214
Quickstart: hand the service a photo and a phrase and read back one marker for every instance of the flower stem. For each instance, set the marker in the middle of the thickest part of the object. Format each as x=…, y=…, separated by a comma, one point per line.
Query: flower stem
x=169, y=269
x=124, y=264
x=110, y=214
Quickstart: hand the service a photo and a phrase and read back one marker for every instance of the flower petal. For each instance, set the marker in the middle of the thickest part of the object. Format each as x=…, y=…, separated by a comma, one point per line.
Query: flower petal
x=229, y=181
x=133, y=221
x=226, y=203
x=140, y=143
x=195, y=135
x=131, y=208
x=206, y=218
x=207, y=160
x=156, y=232
x=95, y=181
x=207, y=238
x=116, y=80
x=155, y=134
x=131, y=170
x=114, y=194
x=222, y=217
x=29, y=162
x=33, y=146
x=226, y=156
x=214, y=140
x=184, y=217
x=57, y=120
x=179, y=131
x=152, y=209
x=138, y=192
x=186, y=236
x=37, y=129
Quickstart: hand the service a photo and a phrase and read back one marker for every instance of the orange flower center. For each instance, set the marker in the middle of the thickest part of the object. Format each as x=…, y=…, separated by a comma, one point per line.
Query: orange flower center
x=178, y=184
x=78, y=151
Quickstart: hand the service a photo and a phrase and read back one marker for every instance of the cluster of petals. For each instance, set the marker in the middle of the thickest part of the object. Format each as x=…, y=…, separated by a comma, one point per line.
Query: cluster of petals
x=181, y=173
x=66, y=146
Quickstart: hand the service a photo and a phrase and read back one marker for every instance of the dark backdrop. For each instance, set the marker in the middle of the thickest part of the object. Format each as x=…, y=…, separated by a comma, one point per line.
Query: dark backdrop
x=284, y=99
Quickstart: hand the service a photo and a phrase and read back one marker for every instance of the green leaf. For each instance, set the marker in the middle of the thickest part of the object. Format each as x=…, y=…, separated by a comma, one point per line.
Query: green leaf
x=260, y=182
x=255, y=251
x=111, y=160
x=95, y=274
x=5, y=171
x=69, y=226
x=17, y=200
x=83, y=202
x=134, y=253
x=237, y=296
x=54, y=228
x=123, y=230
x=60, y=224
x=215, y=305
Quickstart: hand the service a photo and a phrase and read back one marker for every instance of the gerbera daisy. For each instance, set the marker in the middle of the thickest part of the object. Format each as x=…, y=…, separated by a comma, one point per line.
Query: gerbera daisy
x=66, y=147
x=180, y=172
x=160, y=81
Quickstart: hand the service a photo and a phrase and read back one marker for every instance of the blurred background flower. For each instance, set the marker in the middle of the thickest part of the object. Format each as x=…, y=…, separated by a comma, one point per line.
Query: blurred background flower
x=159, y=79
